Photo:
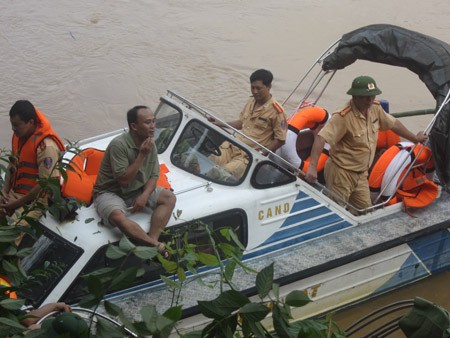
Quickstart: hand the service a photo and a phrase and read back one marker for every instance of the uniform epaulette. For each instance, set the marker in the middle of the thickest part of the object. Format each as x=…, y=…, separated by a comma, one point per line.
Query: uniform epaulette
x=278, y=107
x=345, y=111
x=376, y=102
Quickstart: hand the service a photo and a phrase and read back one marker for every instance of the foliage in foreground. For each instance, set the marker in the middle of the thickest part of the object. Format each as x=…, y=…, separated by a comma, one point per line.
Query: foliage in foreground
x=232, y=312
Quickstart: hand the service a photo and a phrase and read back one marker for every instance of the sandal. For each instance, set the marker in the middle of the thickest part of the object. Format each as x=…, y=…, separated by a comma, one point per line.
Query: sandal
x=161, y=248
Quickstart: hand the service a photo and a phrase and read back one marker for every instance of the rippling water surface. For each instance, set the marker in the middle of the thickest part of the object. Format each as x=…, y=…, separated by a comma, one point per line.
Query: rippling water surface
x=85, y=62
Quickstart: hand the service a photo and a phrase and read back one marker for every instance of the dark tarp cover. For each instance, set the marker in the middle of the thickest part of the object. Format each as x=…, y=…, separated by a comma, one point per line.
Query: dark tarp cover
x=426, y=56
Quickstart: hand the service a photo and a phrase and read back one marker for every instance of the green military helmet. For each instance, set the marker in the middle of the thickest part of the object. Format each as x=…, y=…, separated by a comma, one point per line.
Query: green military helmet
x=364, y=86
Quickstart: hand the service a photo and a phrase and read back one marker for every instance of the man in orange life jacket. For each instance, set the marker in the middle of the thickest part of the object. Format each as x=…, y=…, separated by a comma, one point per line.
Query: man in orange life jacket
x=262, y=119
x=36, y=148
x=352, y=136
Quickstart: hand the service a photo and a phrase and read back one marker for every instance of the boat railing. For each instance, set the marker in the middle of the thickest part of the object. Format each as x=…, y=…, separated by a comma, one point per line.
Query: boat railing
x=88, y=315
x=381, y=322
x=316, y=79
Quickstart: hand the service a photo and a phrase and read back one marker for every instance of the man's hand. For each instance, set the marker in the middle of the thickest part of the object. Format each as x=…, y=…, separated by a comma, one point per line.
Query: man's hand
x=421, y=137
x=140, y=202
x=147, y=146
x=8, y=204
x=311, y=174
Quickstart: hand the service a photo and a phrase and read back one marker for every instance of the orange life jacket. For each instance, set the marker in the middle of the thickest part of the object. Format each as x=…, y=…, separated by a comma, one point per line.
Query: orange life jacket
x=27, y=172
x=308, y=117
x=298, y=145
x=80, y=181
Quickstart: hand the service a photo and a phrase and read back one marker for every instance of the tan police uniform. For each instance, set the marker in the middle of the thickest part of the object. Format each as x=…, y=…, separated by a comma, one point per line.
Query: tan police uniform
x=263, y=124
x=353, y=138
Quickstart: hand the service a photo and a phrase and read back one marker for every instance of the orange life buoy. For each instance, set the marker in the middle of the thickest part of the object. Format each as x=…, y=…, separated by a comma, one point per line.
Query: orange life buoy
x=391, y=167
x=387, y=139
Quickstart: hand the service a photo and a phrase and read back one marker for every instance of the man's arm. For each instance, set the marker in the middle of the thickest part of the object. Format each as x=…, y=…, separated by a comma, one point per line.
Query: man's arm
x=311, y=173
x=274, y=145
x=140, y=201
x=11, y=204
x=35, y=315
x=237, y=124
x=402, y=131
x=7, y=182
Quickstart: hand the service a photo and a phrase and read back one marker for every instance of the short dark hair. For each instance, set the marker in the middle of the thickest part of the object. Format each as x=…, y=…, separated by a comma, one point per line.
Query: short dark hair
x=24, y=109
x=132, y=114
x=263, y=75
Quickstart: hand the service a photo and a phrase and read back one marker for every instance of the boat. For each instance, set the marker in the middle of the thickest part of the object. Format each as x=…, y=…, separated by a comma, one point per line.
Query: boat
x=315, y=244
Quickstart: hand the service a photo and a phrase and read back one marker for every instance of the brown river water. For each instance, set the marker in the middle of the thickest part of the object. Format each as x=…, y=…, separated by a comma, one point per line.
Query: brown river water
x=84, y=63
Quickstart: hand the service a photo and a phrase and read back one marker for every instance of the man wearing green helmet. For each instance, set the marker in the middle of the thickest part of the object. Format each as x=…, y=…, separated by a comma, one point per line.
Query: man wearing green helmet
x=352, y=135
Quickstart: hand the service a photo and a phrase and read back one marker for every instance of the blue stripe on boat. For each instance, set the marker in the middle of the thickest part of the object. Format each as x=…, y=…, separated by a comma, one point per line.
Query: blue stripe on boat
x=431, y=251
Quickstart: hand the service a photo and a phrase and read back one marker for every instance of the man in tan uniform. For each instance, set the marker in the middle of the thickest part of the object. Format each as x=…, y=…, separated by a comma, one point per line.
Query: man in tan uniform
x=262, y=119
x=352, y=135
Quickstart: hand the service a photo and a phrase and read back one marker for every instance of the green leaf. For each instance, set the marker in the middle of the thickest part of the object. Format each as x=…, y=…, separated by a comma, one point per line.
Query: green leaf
x=89, y=220
x=276, y=290
x=124, y=279
x=174, y=313
x=229, y=270
x=223, y=305
x=181, y=274
x=171, y=283
x=308, y=328
x=164, y=324
x=208, y=259
x=193, y=334
x=236, y=240
x=225, y=232
x=9, y=267
x=12, y=304
x=264, y=280
x=280, y=323
x=149, y=315
x=9, y=250
x=112, y=308
x=126, y=245
x=251, y=328
x=10, y=326
x=169, y=266
x=114, y=252
x=88, y=301
x=145, y=252
x=24, y=252
x=229, y=250
x=297, y=298
x=95, y=286
x=108, y=329
x=254, y=312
